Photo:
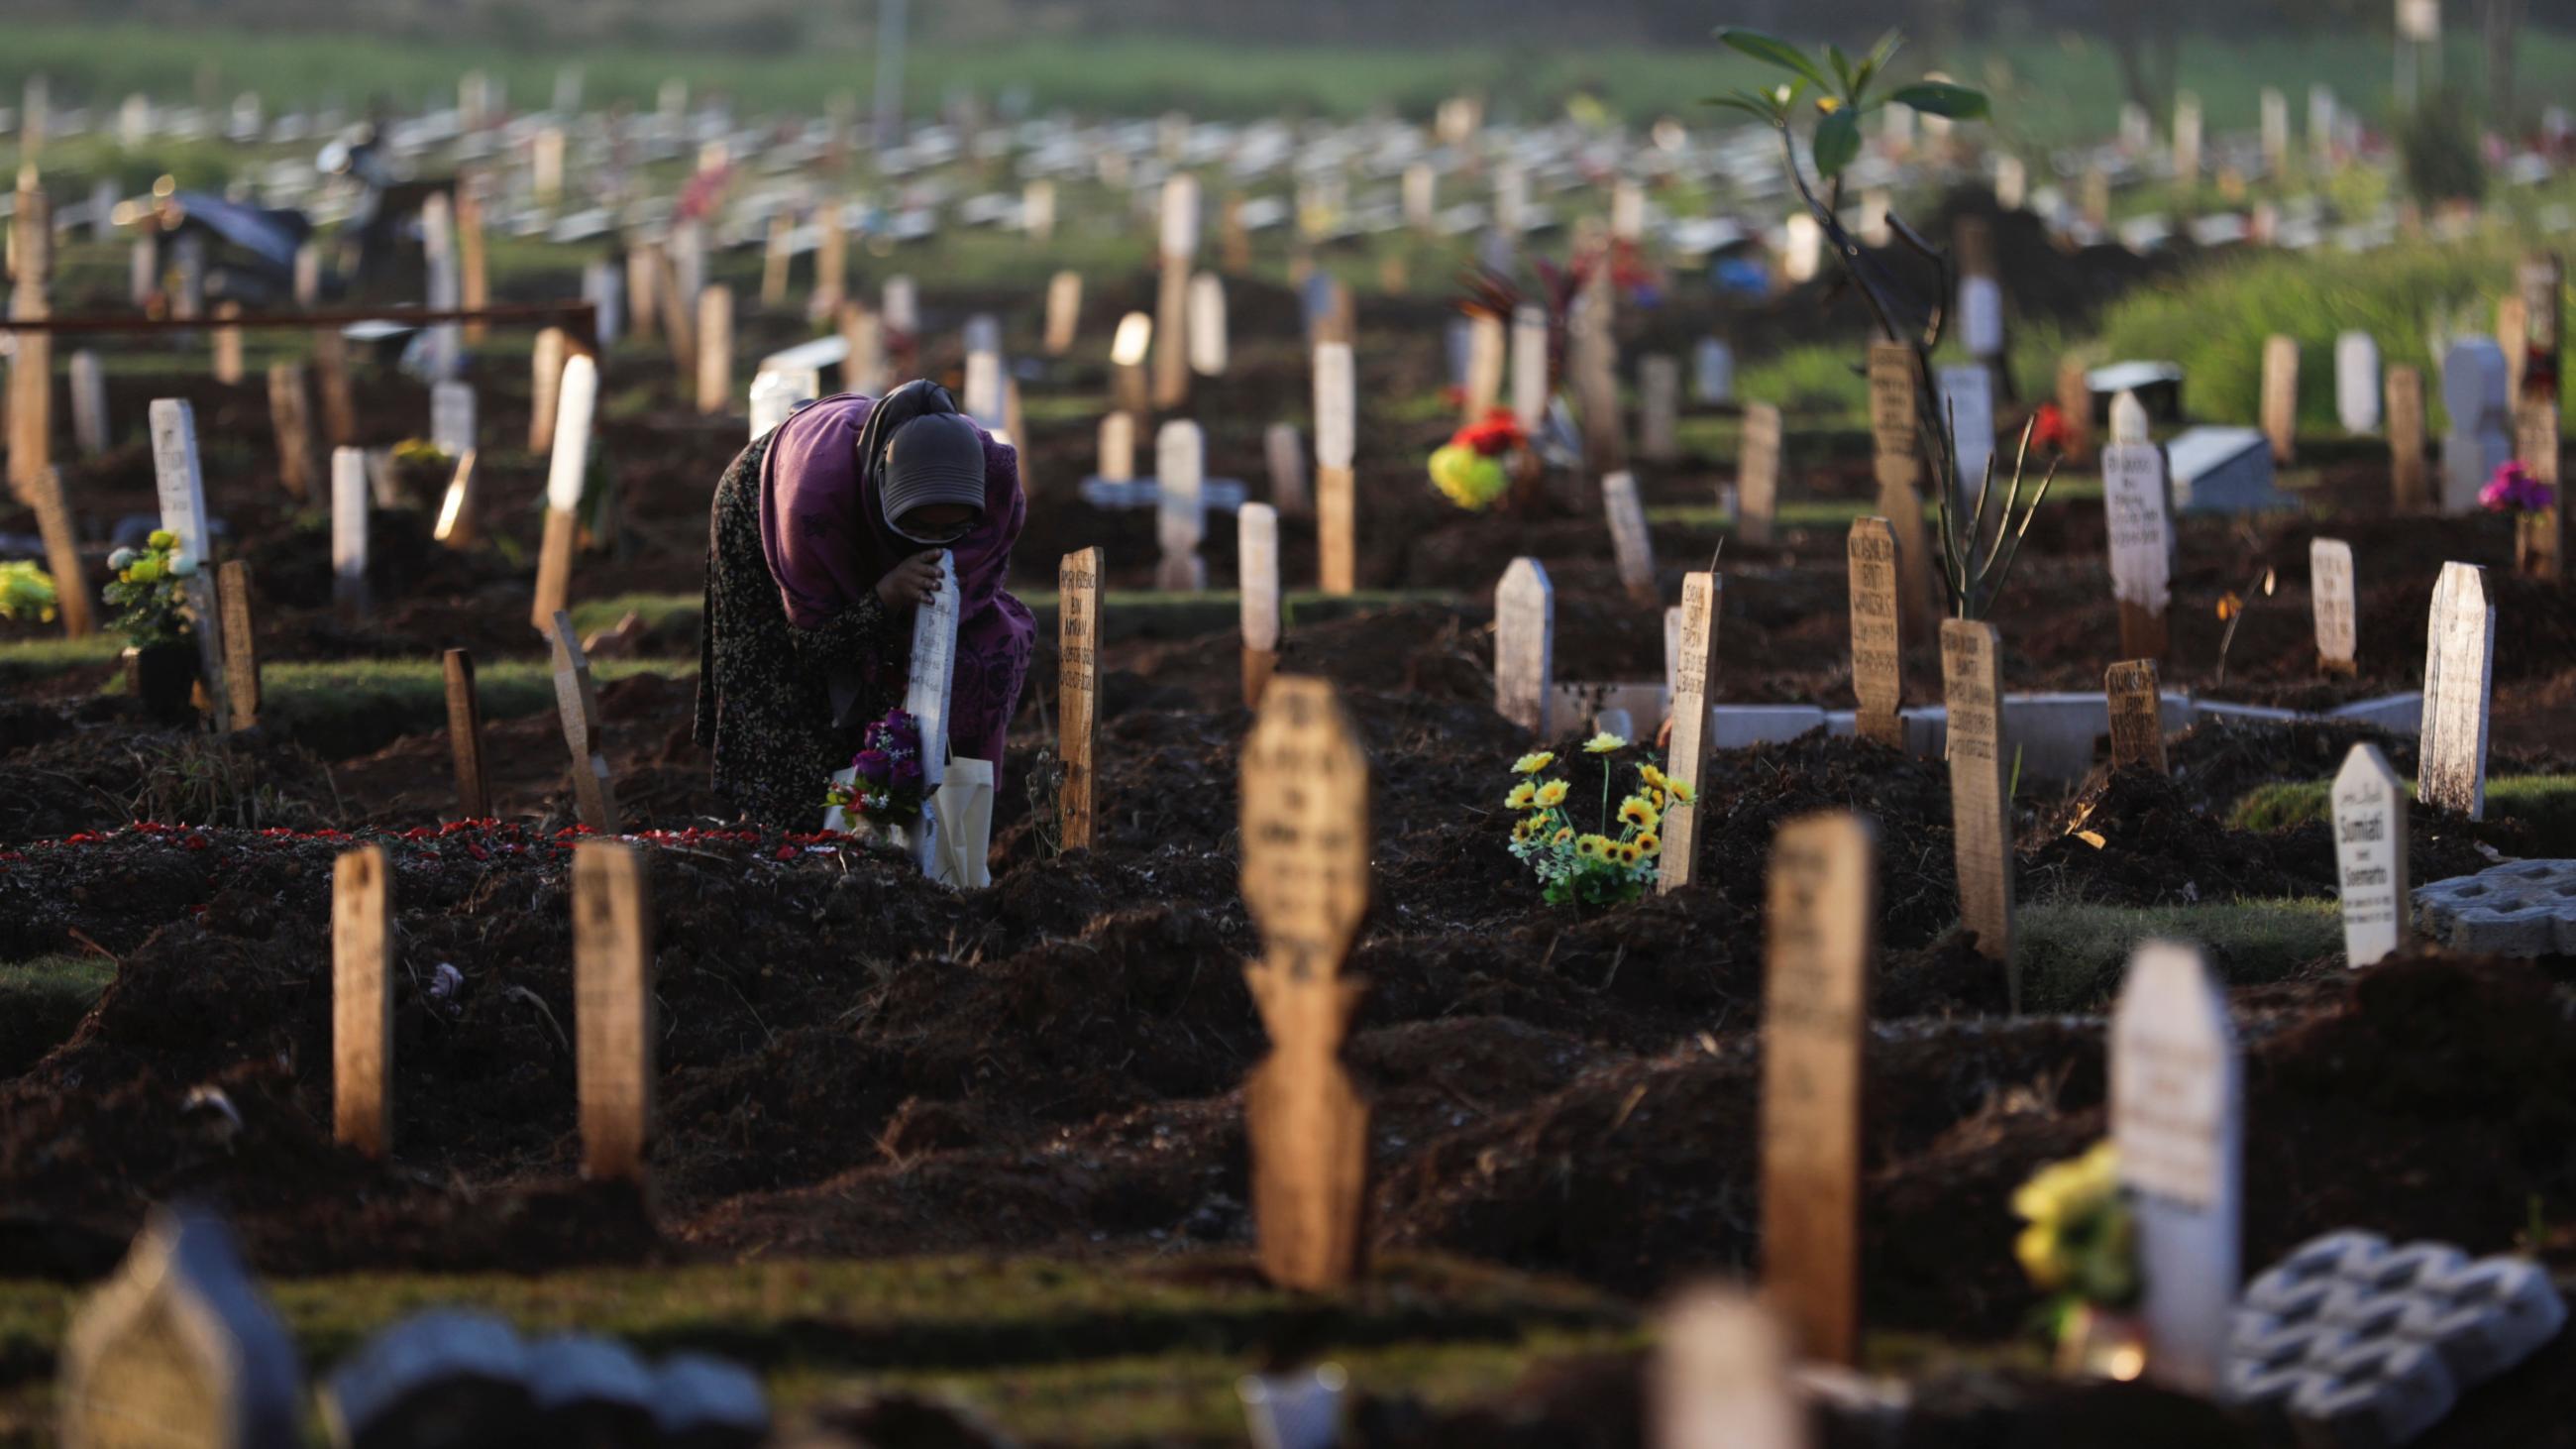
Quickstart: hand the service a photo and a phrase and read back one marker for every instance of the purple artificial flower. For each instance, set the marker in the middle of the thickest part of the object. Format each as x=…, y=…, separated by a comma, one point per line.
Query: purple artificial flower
x=873, y=765
x=907, y=772
x=2514, y=490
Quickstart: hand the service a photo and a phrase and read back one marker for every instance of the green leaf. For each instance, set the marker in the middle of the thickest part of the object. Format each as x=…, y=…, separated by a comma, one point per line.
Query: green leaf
x=1736, y=103
x=1842, y=67
x=1773, y=51
x=1940, y=98
x=1837, y=142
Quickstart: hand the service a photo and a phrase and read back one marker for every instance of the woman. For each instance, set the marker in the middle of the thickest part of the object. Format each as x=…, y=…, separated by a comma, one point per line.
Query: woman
x=825, y=535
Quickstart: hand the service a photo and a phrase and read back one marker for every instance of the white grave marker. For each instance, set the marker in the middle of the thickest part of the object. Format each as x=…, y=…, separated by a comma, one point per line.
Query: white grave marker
x=2370, y=856
x=2459, y=676
x=1629, y=539
x=1180, y=506
x=349, y=504
x=2139, y=510
x=451, y=418
x=2330, y=592
x=1525, y=647
x=1968, y=402
x=1530, y=388
x=2357, y=383
x=2177, y=1117
x=89, y=404
x=1257, y=577
x=182, y=491
x=1207, y=327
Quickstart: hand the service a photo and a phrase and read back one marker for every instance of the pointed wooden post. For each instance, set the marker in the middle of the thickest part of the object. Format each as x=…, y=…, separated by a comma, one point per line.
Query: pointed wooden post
x=1694, y=675
x=62, y=554
x=1063, y=312
x=1757, y=474
x=546, y=359
x=1306, y=883
x=2281, y=396
x=362, y=1000
x=567, y=472
x=577, y=702
x=2137, y=715
x=1180, y=244
x=715, y=351
x=1815, y=1018
x=339, y=404
x=1257, y=576
x=613, y=1016
x=1877, y=643
x=290, y=416
x=1336, y=447
x=241, y=643
x=1897, y=449
x=1980, y=807
x=1078, y=692
x=465, y=736
x=2409, y=490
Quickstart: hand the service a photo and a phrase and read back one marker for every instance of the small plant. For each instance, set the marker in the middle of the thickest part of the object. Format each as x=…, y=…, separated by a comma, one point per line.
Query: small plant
x=149, y=591
x=2231, y=612
x=1476, y=467
x=1579, y=868
x=2080, y=1247
x=422, y=453
x=27, y=593
x=888, y=785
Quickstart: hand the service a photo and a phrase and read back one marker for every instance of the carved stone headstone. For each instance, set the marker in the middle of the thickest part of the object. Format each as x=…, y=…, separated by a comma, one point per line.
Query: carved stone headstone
x=2408, y=490
x=1180, y=506
x=2281, y=396
x=1306, y=883
x=1694, y=677
x=1630, y=542
x=2137, y=715
x=2330, y=592
x=1757, y=474
x=2177, y=1118
x=1257, y=568
x=1815, y=1018
x=1980, y=809
x=1078, y=692
x=177, y=1348
x=2459, y=677
x=362, y=1001
x=1525, y=647
x=1336, y=445
x=2357, y=383
x=613, y=1012
x=1877, y=643
x=2370, y=856
x=2139, y=510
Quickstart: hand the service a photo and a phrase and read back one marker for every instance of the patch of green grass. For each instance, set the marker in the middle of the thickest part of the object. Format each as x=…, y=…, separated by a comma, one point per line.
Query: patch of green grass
x=2545, y=804
x=27, y=659
x=42, y=1000
x=2071, y=956
x=1838, y=513
x=654, y=611
x=344, y=707
x=1115, y=1353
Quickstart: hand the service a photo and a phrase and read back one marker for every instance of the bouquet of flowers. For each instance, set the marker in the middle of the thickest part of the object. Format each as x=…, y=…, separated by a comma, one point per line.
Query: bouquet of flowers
x=26, y=593
x=2513, y=489
x=148, y=590
x=885, y=787
x=1476, y=467
x=1575, y=867
x=2080, y=1246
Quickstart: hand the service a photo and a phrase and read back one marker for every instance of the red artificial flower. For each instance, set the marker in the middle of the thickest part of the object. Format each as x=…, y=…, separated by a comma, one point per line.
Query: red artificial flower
x=2050, y=429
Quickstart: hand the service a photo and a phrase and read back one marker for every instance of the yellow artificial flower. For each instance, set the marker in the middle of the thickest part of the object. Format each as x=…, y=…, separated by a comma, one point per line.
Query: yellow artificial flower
x=1522, y=830
x=1563, y=834
x=1629, y=854
x=162, y=538
x=1531, y=764
x=1521, y=796
x=1593, y=847
x=1604, y=743
x=1651, y=775
x=1651, y=843
x=1635, y=810
x=2036, y=1247
x=1681, y=792
x=1551, y=794
x=1827, y=105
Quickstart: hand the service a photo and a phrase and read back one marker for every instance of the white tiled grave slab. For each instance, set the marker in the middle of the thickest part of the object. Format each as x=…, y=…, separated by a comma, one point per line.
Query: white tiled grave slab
x=2222, y=470
x=2526, y=908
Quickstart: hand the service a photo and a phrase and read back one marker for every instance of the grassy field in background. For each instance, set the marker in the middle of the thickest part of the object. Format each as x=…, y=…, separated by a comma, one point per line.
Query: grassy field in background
x=2049, y=90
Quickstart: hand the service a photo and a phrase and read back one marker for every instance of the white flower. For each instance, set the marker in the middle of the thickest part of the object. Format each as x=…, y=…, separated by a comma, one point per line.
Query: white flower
x=121, y=559
x=181, y=566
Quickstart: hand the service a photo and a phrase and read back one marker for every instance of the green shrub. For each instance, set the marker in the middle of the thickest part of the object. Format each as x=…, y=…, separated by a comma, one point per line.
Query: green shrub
x=2072, y=956
x=2437, y=149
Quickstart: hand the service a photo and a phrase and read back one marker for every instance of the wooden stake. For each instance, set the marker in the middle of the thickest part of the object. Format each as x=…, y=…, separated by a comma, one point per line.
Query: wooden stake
x=465, y=737
x=1815, y=1017
x=1078, y=691
x=1695, y=672
x=1877, y=642
x=241, y=644
x=2137, y=715
x=362, y=1000
x=456, y=511
x=613, y=1016
x=339, y=405
x=290, y=415
x=2407, y=484
x=228, y=345
x=545, y=379
x=1980, y=809
x=62, y=554
x=567, y=472
x=1336, y=447
x=1306, y=882
x=577, y=701
x=1257, y=576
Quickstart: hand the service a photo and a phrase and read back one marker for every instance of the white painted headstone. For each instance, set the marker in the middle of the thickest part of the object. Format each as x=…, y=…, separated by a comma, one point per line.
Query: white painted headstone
x=2459, y=676
x=775, y=394
x=2370, y=856
x=1529, y=367
x=1336, y=397
x=1257, y=554
x=1713, y=371
x=1634, y=547
x=1968, y=401
x=349, y=503
x=451, y=417
x=1285, y=448
x=604, y=288
x=1207, y=326
x=2330, y=591
x=1525, y=647
x=926, y=696
x=2177, y=1118
x=181, y=486
x=1180, y=505
x=2480, y=435
x=89, y=404
x=576, y=397
x=2357, y=383
x=2139, y=511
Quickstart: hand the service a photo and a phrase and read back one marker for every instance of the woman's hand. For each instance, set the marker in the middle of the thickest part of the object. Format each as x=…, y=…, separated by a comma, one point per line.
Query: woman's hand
x=911, y=583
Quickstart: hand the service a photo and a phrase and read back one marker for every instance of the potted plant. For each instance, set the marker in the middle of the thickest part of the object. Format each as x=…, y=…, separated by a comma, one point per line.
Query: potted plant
x=149, y=594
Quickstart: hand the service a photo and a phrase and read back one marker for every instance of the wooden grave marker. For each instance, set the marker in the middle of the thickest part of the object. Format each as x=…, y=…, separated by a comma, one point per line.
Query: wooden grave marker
x=927, y=697
x=566, y=473
x=1694, y=678
x=1980, y=808
x=465, y=736
x=1486, y=346
x=715, y=351
x=1629, y=541
x=331, y=371
x=1117, y=462
x=350, y=502
x=1257, y=578
x=2138, y=511
x=2539, y=537
x=2540, y=281
x=775, y=259
x=1336, y=444
x=1284, y=448
x=1815, y=1019
x=1525, y=648
x=1063, y=312
x=1531, y=385
x=1659, y=403
x=2137, y=715
x=1757, y=474
x=1129, y=347
x=2459, y=679
x=457, y=518
x=2177, y=1118
x=290, y=415
x=89, y=404
x=981, y=398
x=1877, y=638
x=2370, y=856
x=362, y=1000
x=2075, y=408
x=1306, y=884
x=1207, y=325
x=181, y=488
x=643, y=289
x=613, y=1011
x=72, y=590
x=1720, y=1377
x=1180, y=506
x=594, y=790
x=863, y=332
x=1078, y=693
x=241, y=643
x=2281, y=396
x=177, y=1348
x=1896, y=446
x=2331, y=598
x=228, y=345
x=546, y=359
x=2409, y=486
x=831, y=262
x=1180, y=247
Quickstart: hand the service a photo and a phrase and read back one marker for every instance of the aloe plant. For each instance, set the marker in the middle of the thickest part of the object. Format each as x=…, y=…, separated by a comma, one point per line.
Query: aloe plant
x=1841, y=91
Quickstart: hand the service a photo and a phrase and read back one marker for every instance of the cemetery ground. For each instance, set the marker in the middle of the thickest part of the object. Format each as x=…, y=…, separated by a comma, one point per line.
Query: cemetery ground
x=991, y=1144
